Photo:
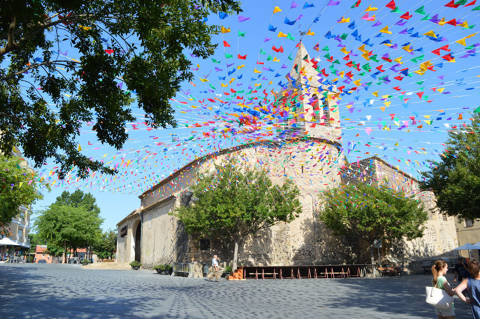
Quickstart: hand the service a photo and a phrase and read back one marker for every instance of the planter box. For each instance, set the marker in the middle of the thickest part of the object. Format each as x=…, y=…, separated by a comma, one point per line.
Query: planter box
x=163, y=272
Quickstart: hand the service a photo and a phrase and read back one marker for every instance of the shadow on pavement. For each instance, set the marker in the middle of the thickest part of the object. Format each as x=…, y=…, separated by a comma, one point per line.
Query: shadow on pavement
x=395, y=295
x=22, y=295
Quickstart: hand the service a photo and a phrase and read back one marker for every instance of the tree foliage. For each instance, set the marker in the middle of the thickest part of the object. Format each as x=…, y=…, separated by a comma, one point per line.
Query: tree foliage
x=455, y=178
x=79, y=199
x=69, y=223
x=106, y=245
x=144, y=43
x=17, y=188
x=363, y=213
x=234, y=202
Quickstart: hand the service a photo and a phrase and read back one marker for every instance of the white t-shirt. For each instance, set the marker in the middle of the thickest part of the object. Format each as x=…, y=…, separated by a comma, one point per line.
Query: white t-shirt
x=214, y=262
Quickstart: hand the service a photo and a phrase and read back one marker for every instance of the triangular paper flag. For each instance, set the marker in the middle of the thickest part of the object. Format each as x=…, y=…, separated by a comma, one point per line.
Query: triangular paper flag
x=385, y=30
x=391, y=5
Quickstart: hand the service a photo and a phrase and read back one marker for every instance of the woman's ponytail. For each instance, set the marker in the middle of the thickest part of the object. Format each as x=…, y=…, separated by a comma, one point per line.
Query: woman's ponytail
x=437, y=266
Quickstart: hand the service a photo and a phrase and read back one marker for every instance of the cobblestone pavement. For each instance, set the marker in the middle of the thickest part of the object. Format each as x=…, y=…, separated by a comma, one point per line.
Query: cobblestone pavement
x=68, y=291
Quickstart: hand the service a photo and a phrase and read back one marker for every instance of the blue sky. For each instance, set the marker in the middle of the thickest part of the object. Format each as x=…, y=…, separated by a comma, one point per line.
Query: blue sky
x=403, y=118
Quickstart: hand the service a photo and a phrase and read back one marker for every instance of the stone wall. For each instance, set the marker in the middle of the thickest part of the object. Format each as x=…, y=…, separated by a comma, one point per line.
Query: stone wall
x=169, y=187
x=468, y=233
x=311, y=164
x=314, y=167
x=160, y=239
x=439, y=236
x=125, y=244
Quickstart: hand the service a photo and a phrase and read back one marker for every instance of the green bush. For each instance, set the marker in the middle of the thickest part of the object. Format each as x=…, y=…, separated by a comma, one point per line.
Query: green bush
x=135, y=264
x=163, y=268
x=160, y=267
x=85, y=262
x=228, y=270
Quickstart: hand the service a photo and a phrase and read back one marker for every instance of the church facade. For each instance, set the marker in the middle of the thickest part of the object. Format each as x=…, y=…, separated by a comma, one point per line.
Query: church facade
x=310, y=155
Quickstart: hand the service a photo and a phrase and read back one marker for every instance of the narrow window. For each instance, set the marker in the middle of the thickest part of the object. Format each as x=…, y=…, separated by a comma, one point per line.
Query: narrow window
x=315, y=108
x=326, y=113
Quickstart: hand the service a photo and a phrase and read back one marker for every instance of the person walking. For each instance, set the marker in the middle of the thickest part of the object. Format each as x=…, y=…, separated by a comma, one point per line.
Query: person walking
x=439, y=270
x=461, y=270
x=472, y=285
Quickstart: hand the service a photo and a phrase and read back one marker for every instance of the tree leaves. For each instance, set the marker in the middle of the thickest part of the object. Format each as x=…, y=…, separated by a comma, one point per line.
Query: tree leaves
x=455, y=179
x=366, y=213
x=71, y=222
x=45, y=96
x=17, y=188
x=236, y=202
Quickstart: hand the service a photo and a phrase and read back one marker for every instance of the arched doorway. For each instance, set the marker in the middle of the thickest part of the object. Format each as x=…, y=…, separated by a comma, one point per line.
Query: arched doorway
x=138, y=241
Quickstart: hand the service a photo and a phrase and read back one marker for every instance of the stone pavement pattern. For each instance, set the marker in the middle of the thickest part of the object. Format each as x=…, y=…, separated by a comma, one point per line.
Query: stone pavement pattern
x=68, y=291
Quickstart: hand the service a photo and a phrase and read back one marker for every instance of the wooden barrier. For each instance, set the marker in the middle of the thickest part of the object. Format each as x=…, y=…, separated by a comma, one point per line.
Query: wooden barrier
x=303, y=272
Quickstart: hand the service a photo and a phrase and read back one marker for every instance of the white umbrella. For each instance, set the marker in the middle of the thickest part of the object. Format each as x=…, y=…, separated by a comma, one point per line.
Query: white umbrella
x=8, y=242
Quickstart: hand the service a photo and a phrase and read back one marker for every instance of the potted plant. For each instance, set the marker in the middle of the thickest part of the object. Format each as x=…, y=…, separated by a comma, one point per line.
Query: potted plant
x=168, y=269
x=135, y=265
x=163, y=269
x=159, y=268
x=227, y=271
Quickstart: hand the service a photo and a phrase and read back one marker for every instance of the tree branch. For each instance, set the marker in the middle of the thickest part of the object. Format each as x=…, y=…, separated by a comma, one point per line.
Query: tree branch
x=10, y=38
x=34, y=29
x=35, y=88
x=36, y=65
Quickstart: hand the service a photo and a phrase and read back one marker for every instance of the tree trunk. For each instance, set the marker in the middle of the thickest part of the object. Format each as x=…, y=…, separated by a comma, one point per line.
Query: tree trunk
x=235, y=256
x=65, y=253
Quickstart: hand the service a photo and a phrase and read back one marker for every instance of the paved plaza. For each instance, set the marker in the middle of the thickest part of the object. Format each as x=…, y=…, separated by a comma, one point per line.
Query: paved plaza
x=68, y=291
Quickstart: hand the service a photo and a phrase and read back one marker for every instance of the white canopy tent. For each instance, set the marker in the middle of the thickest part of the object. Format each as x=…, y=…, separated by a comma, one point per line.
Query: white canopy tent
x=8, y=242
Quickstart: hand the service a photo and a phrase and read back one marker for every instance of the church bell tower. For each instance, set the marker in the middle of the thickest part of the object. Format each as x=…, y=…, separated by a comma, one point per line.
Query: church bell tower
x=311, y=105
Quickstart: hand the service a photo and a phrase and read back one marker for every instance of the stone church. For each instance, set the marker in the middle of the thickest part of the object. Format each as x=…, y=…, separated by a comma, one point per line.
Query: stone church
x=310, y=155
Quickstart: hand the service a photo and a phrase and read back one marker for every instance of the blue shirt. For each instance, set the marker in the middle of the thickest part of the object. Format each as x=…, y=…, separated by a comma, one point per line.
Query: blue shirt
x=473, y=287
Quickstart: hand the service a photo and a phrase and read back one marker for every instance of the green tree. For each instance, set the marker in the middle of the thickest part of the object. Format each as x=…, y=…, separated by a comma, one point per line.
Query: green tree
x=144, y=45
x=69, y=224
x=362, y=213
x=79, y=199
x=106, y=245
x=17, y=188
x=235, y=202
x=455, y=178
